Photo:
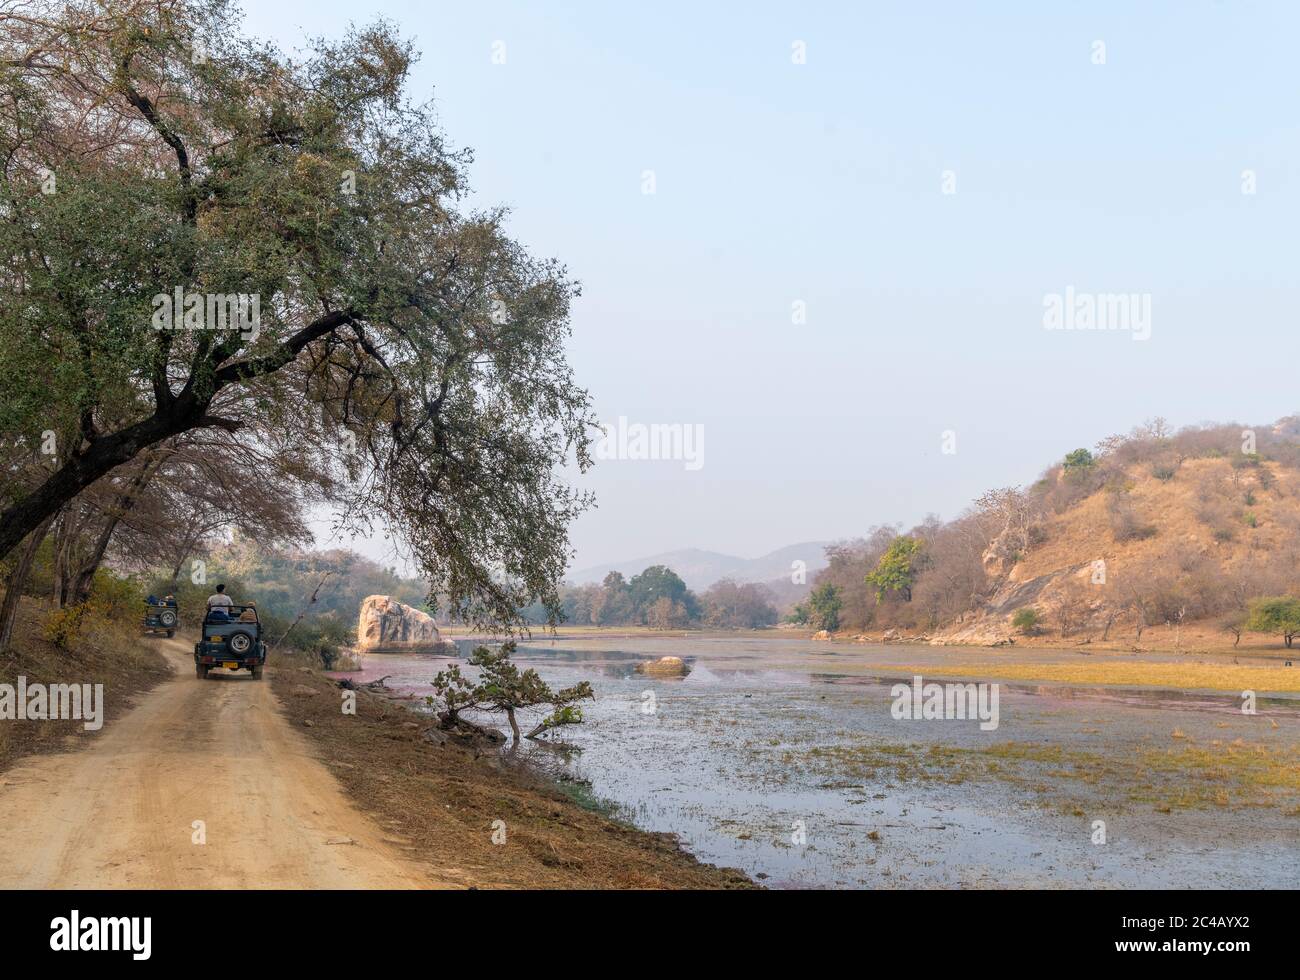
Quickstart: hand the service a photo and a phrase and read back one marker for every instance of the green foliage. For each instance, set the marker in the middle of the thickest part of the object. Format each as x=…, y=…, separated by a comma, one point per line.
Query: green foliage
x=898, y=568
x=1163, y=471
x=567, y=715
x=454, y=690
x=1250, y=519
x=659, y=582
x=502, y=687
x=1027, y=620
x=1079, y=459
x=391, y=309
x=824, y=604
x=1275, y=614
x=657, y=598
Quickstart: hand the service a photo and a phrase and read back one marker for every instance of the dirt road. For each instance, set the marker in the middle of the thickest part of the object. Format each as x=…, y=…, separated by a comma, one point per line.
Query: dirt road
x=121, y=813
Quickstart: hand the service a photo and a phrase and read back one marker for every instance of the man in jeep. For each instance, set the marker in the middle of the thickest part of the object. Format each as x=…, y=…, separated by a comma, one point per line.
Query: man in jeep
x=220, y=601
x=231, y=638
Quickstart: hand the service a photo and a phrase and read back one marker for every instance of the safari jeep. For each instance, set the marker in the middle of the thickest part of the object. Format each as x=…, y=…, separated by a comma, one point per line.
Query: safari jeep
x=234, y=643
x=161, y=618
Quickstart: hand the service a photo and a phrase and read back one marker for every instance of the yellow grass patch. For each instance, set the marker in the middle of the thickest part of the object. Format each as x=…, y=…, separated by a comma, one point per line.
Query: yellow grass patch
x=1210, y=677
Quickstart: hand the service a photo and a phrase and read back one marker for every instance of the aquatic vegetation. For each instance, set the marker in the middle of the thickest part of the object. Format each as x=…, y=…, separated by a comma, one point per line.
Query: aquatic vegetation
x=1182, y=777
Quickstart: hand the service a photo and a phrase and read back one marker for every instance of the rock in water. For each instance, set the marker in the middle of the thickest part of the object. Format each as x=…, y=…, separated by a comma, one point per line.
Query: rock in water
x=664, y=667
x=389, y=626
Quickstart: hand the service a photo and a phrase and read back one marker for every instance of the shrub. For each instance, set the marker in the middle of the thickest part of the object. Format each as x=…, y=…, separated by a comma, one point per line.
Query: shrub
x=898, y=568
x=1249, y=519
x=1163, y=471
x=503, y=687
x=1275, y=614
x=1078, y=460
x=114, y=597
x=1026, y=620
x=824, y=606
x=63, y=627
x=1125, y=526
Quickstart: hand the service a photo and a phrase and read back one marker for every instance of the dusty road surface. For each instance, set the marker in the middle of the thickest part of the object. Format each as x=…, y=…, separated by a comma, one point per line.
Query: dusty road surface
x=121, y=813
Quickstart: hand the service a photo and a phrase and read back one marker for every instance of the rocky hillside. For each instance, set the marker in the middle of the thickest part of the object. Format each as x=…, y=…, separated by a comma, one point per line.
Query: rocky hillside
x=1198, y=545
x=1160, y=542
x=1155, y=531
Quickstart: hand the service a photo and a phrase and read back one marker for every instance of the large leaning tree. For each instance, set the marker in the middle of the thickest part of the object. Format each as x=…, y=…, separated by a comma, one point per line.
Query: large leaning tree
x=149, y=148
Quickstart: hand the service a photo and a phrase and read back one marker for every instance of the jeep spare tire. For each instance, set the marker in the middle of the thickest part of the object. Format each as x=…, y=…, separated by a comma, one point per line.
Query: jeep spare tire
x=167, y=617
x=240, y=642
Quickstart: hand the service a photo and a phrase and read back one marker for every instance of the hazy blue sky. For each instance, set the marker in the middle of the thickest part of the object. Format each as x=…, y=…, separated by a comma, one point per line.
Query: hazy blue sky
x=822, y=183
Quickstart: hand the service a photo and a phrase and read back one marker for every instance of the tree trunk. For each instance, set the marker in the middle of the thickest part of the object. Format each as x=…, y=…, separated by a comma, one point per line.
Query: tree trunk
x=64, y=534
x=514, y=725
x=1110, y=621
x=94, y=460
x=187, y=547
x=302, y=612
x=15, y=581
x=180, y=413
x=124, y=502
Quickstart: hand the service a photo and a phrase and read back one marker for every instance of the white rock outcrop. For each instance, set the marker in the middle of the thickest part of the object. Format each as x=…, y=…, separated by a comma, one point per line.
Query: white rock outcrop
x=389, y=626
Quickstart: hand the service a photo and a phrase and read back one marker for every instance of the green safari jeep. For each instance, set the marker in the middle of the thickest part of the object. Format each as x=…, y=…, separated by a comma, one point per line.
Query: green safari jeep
x=231, y=639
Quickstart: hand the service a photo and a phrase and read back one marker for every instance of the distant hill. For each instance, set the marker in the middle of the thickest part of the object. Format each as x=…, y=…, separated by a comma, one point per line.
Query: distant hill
x=1190, y=537
x=1157, y=533
x=699, y=569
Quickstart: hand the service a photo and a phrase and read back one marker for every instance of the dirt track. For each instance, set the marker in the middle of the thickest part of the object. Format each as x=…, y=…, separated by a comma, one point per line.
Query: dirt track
x=120, y=813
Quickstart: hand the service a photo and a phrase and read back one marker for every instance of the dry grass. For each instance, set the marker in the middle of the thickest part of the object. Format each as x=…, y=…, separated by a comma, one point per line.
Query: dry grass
x=113, y=655
x=1202, y=543
x=1083, y=533
x=1190, y=676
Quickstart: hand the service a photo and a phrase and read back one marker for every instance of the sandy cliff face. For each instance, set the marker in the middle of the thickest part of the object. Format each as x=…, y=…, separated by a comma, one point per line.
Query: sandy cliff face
x=389, y=626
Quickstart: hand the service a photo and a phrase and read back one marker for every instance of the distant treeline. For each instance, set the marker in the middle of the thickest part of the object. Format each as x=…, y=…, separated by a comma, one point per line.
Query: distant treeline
x=658, y=598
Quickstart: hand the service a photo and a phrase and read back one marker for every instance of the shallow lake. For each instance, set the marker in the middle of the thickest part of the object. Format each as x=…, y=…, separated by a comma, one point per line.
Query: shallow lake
x=782, y=757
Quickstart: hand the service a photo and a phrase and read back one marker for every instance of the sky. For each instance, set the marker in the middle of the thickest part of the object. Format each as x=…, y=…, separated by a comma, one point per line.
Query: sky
x=859, y=214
